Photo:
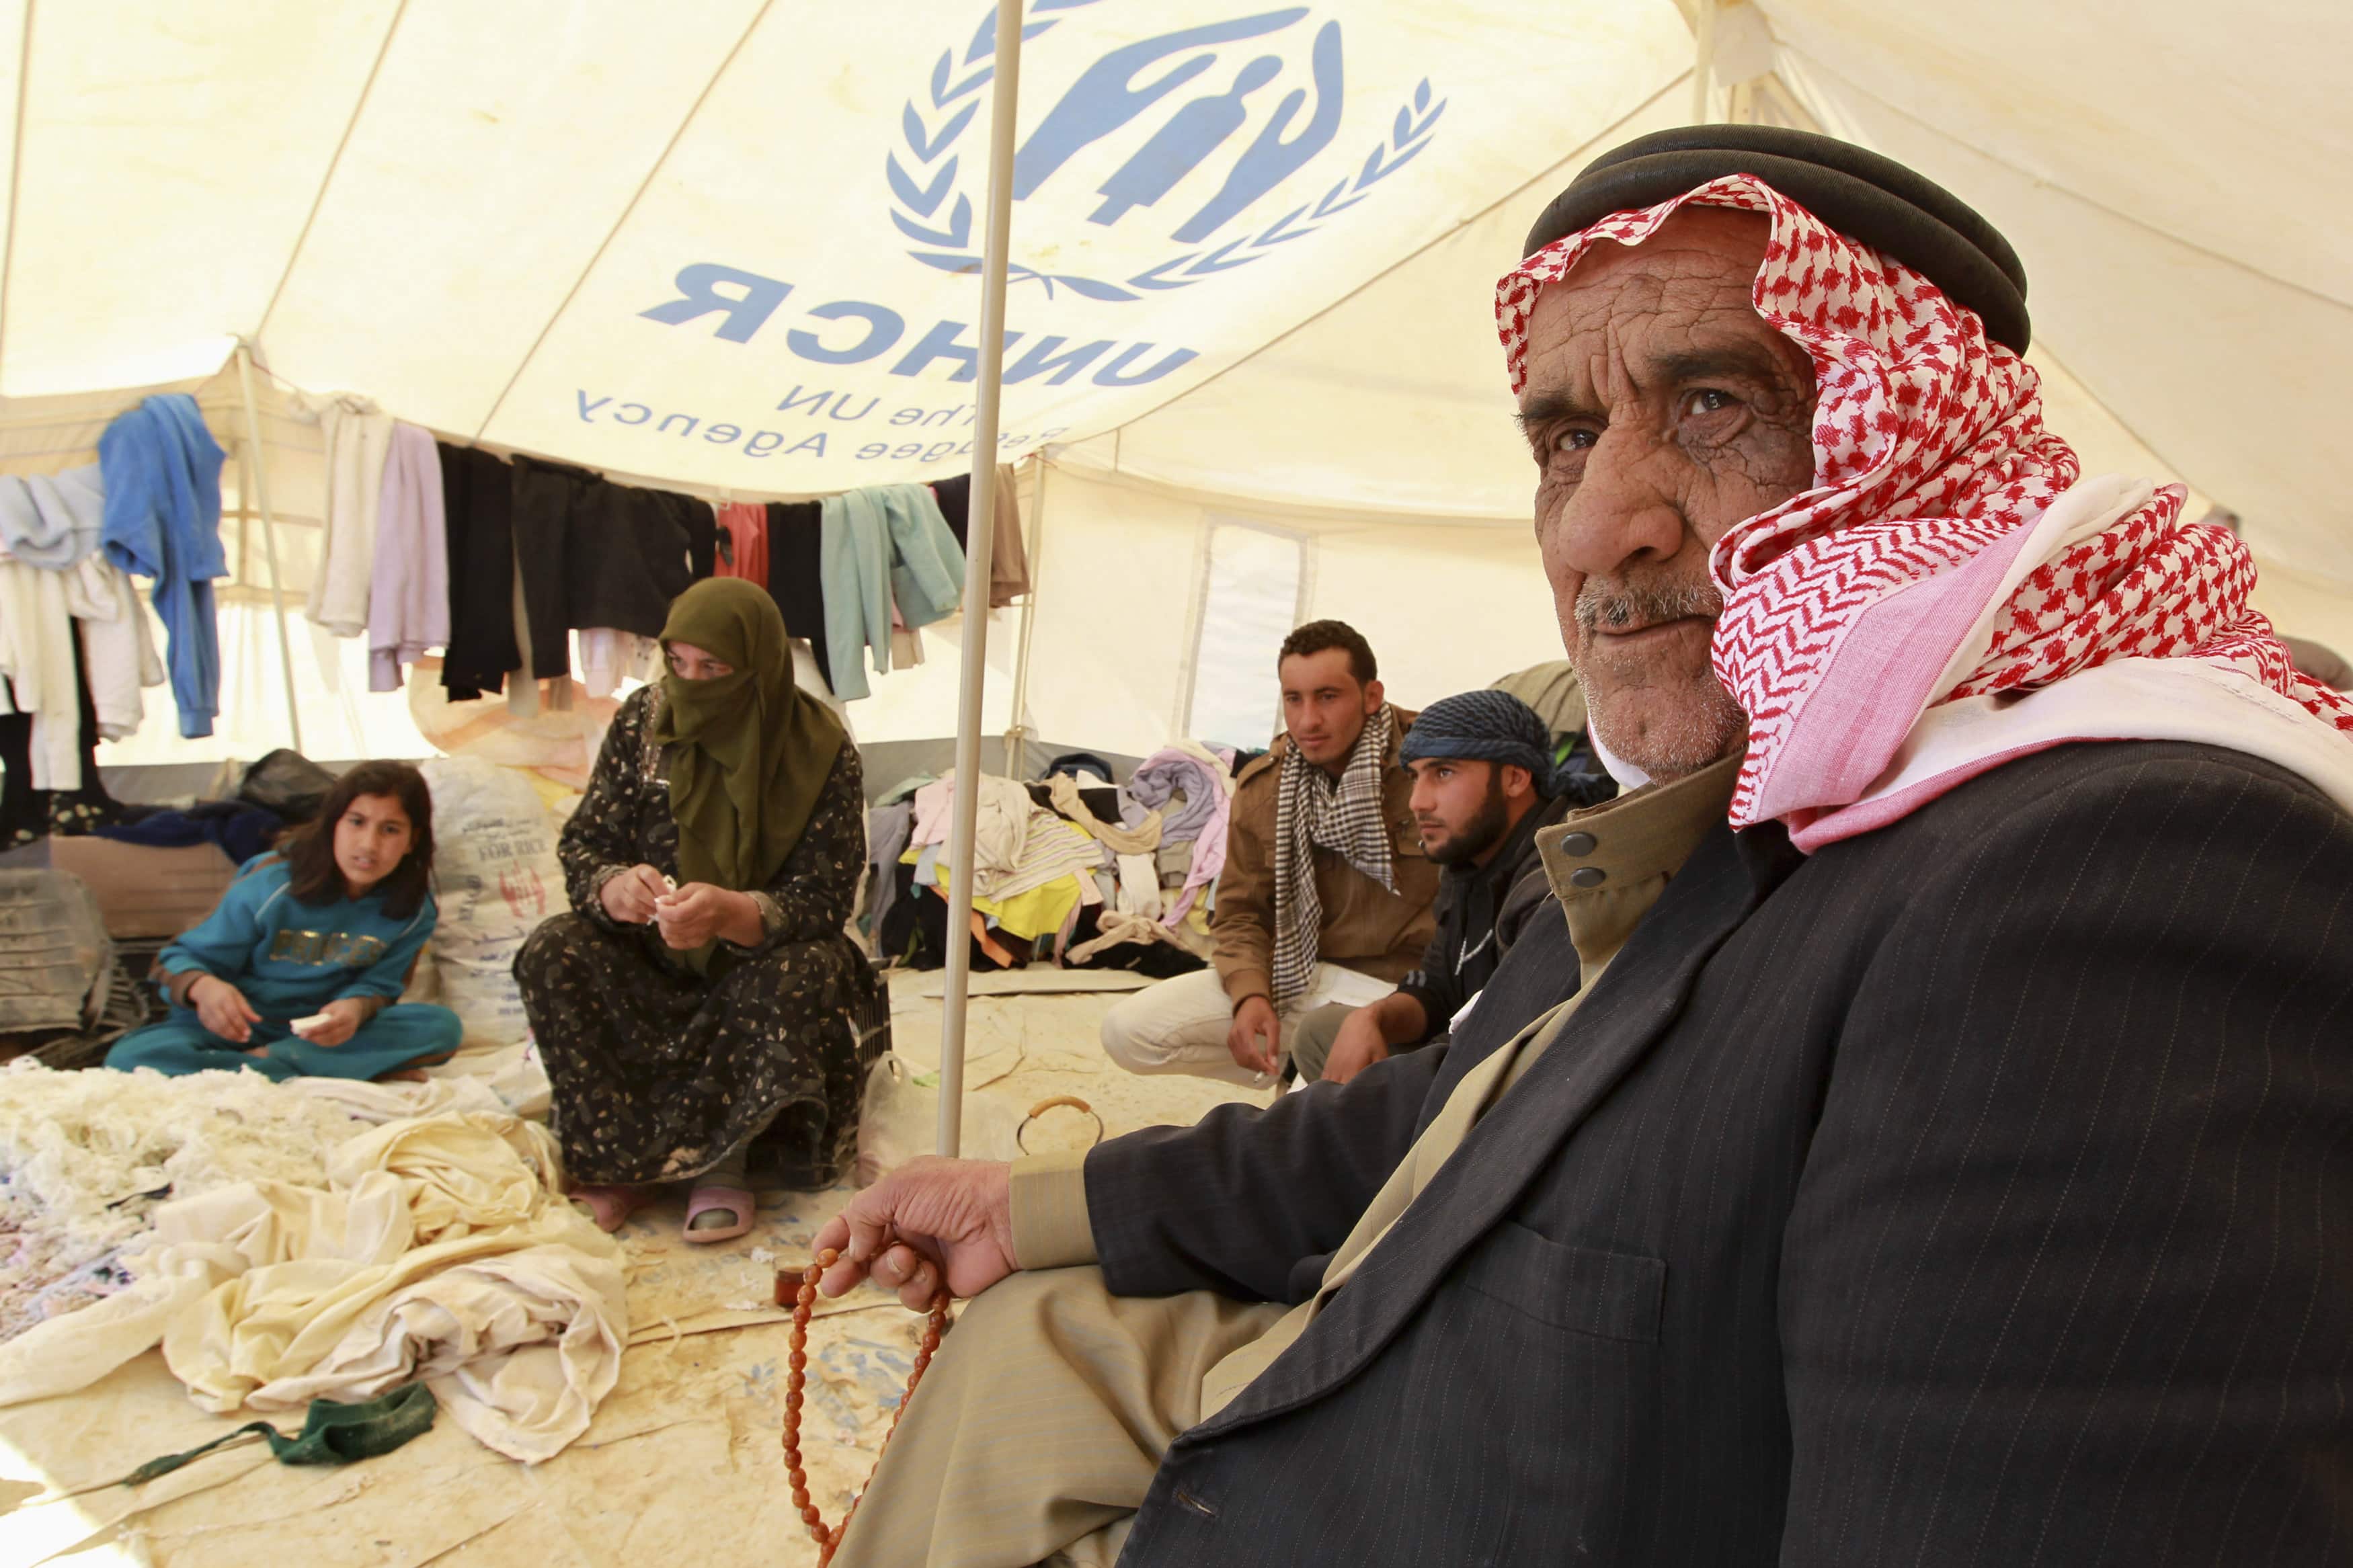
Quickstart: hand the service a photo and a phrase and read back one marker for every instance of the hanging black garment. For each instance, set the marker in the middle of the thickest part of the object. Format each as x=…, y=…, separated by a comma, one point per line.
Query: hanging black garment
x=954, y=496
x=594, y=553
x=796, y=575
x=543, y=499
x=702, y=522
x=630, y=555
x=24, y=810
x=477, y=504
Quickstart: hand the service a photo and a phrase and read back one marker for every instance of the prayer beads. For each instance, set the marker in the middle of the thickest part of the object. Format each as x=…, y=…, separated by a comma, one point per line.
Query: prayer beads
x=829, y=1542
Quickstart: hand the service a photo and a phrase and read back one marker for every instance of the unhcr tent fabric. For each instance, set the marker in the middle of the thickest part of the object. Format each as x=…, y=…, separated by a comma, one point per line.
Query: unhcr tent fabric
x=732, y=248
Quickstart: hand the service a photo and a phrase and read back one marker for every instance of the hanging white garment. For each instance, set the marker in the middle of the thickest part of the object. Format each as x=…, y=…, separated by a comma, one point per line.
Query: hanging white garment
x=609, y=656
x=358, y=437
x=118, y=645
x=37, y=660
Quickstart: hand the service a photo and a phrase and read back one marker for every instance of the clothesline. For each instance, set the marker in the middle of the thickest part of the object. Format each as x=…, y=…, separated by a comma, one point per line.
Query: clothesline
x=717, y=495
x=400, y=563
x=525, y=550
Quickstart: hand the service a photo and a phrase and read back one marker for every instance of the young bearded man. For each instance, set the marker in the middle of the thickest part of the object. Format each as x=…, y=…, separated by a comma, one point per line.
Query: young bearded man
x=1484, y=783
x=1325, y=895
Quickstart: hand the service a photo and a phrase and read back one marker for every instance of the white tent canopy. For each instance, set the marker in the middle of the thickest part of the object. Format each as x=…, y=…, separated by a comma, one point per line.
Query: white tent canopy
x=733, y=246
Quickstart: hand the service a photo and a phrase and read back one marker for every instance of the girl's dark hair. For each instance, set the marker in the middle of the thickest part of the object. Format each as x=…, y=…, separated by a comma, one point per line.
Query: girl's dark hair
x=312, y=876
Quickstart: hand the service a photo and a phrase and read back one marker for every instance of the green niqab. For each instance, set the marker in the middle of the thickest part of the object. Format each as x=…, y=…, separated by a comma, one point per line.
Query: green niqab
x=752, y=749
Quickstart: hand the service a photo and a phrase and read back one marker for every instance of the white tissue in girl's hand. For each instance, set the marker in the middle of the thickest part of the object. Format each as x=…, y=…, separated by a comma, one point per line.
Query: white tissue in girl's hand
x=303, y=1027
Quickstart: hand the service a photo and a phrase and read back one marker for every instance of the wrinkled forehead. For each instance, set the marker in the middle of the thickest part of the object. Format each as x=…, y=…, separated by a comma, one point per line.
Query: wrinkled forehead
x=1682, y=299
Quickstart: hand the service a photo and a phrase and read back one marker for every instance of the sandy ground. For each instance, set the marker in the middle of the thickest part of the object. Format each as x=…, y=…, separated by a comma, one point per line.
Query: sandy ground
x=682, y=1458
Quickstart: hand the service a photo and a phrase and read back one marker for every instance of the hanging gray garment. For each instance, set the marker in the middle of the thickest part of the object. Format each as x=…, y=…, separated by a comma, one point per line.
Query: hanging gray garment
x=52, y=520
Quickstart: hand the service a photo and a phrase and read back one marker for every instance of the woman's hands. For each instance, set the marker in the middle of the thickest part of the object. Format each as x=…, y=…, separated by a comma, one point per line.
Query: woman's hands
x=630, y=898
x=687, y=917
x=223, y=1010
x=699, y=912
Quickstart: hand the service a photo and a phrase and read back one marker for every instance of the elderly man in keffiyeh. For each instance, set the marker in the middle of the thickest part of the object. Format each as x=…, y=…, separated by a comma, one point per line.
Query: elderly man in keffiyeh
x=1922, y=1140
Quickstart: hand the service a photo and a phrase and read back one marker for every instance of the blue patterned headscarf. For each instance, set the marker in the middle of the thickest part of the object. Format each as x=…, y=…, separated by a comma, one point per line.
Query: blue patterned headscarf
x=1487, y=727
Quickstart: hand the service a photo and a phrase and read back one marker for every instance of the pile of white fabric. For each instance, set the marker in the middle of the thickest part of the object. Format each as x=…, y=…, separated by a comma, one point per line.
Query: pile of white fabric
x=319, y=1243
x=78, y=1151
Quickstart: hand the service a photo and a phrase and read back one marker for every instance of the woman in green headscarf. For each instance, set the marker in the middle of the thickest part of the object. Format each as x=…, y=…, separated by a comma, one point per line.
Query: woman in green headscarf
x=702, y=994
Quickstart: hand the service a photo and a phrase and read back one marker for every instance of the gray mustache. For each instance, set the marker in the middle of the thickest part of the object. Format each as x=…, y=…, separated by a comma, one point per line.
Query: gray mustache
x=1607, y=607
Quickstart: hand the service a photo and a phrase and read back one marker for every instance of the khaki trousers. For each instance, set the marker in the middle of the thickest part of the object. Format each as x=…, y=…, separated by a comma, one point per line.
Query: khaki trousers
x=1037, y=1428
x=1180, y=1025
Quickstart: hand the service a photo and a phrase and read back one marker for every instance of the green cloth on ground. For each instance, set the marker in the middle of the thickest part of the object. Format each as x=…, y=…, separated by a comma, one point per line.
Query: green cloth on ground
x=332, y=1434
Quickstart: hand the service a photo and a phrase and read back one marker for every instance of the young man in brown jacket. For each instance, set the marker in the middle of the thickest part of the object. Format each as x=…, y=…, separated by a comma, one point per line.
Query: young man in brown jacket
x=1325, y=896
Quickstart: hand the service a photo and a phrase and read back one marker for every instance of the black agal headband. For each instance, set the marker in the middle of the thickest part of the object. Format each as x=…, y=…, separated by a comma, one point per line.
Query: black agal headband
x=1863, y=196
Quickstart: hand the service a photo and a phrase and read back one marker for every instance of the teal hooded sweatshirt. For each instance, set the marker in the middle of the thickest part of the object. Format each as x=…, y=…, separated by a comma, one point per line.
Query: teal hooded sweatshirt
x=291, y=959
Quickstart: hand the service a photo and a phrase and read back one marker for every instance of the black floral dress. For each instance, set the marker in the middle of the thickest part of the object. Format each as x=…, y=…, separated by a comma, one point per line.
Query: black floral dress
x=658, y=1072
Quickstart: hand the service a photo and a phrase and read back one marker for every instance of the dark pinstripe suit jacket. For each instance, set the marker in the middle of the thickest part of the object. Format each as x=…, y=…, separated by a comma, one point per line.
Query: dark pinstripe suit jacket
x=1977, y=1192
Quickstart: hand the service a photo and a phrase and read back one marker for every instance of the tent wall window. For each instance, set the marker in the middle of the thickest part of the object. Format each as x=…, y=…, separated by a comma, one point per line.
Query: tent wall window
x=1255, y=583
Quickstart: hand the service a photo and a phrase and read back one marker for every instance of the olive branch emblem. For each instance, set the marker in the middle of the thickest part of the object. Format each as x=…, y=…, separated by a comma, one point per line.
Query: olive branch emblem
x=922, y=175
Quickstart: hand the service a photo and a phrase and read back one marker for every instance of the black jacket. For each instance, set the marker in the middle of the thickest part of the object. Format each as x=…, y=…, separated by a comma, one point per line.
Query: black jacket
x=1481, y=913
x=594, y=553
x=477, y=525
x=1975, y=1192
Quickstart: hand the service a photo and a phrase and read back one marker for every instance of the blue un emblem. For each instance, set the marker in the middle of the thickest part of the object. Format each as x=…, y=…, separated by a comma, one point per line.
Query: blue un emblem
x=1178, y=104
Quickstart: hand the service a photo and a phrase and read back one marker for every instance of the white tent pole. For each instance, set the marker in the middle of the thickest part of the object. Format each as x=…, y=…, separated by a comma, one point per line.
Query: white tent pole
x=974, y=675
x=1018, y=739
x=259, y=469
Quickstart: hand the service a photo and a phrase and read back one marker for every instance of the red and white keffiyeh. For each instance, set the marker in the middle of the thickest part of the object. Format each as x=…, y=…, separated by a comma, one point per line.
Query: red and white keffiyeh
x=1883, y=628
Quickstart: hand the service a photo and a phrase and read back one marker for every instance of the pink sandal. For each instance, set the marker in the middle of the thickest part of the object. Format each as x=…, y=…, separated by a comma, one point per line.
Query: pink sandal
x=610, y=1205
x=736, y=1201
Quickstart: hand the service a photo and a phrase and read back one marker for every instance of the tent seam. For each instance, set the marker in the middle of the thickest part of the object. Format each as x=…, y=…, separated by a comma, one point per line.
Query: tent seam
x=1457, y=226
x=327, y=180
x=628, y=207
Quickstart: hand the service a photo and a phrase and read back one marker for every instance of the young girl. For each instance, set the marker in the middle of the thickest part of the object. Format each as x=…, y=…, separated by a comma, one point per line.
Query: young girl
x=299, y=968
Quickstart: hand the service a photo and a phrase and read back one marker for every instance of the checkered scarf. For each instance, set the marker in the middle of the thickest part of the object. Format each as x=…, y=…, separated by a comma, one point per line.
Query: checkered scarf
x=1347, y=819
x=1911, y=575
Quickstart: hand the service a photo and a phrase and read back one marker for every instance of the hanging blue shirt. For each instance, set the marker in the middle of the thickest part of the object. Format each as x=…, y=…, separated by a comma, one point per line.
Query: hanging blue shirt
x=290, y=958
x=882, y=546
x=162, y=473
